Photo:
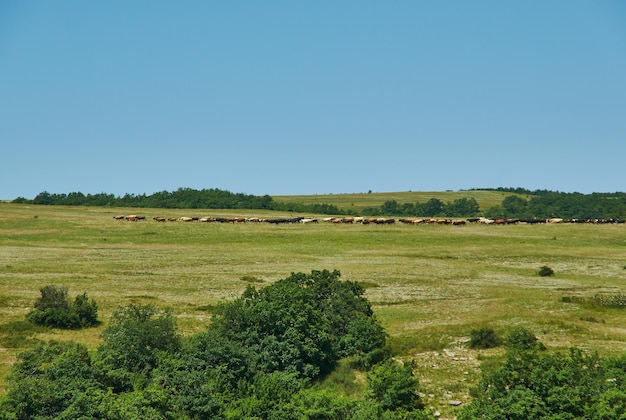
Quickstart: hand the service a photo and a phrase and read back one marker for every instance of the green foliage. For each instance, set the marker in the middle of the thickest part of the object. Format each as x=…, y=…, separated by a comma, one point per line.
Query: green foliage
x=540, y=204
x=515, y=205
x=258, y=359
x=432, y=207
x=303, y=324
x=393, y=386
x=522, y=339
x=55, y=309
x=545, y=271
x=532, y=385
x=49, y=380
x=133, y=342
x=484, y=338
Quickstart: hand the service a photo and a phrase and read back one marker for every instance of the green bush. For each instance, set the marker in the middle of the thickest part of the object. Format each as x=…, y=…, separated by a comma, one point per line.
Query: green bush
x=134, y=341
x=484, y=338
x=55, y=309
x=261, y=357
x=546, y=271
x=522, y=339
x=533, y=385
x=393, y=386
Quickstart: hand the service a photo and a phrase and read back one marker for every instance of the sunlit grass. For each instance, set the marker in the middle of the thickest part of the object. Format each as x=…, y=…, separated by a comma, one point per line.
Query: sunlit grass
x=359, y=200
x=429, y=285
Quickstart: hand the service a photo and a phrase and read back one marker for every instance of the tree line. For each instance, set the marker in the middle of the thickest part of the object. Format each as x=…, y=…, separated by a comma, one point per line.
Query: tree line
x=522, y=203
x=182, y=198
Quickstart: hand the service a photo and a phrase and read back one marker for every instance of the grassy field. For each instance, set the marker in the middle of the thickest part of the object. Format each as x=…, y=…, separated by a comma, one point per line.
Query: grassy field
x=430, y=285
x=485, y=199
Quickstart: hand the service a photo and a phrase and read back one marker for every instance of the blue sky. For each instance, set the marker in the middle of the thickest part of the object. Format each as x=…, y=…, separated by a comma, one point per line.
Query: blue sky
x=294, y=97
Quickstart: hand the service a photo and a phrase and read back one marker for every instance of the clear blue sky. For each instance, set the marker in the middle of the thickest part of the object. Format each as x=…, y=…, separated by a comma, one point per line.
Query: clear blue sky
x=295, y=97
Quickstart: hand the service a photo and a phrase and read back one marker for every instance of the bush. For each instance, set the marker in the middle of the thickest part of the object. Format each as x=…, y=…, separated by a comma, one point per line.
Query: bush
x=484, y=338
x=55, y=309
x=133, y=343
x=545, y=271
x=393, y=386
x=522, y=339
x=533, y=385
x=304, y=323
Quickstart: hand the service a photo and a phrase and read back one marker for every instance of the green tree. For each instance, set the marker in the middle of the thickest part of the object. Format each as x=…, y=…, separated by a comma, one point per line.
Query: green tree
x=393, y=386
x=49, y=381
x=432, y=207
x=534, y=384
x=462, y=207
x=390, y=207
x=515, y=206
x=303, y=323
x=133, y=342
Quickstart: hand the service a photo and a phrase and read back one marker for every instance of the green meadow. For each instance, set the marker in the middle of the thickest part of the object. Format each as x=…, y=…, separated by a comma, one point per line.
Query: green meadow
x=430, y=285
x=356, y=201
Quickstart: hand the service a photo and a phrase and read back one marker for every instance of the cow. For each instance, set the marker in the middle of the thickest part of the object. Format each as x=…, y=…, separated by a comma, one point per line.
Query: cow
x=186, y=219
x=159, y=219
x=119, y=217
x=384, y=221
x=411, y=221
x=554, y=220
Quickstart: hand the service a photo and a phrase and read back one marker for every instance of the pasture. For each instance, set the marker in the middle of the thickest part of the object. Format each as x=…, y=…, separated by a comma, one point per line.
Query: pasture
x=430, y=285
x=357, y=201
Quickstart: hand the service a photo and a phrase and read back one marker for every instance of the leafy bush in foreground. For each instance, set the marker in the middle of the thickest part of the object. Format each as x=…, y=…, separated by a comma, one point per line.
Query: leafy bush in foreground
x=55, y=309
x=539, y=385
x=260, y=358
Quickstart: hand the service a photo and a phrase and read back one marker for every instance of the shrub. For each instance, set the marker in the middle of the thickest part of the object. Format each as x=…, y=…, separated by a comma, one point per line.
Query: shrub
x=55, y=309
x=133, y=342
x=393, y=386
x=545, y=271
x=533, y=385
x=522, y=339
x=484, y=338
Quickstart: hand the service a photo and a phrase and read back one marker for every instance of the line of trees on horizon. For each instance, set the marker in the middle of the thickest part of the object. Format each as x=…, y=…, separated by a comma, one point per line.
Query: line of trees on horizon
x=521, y=203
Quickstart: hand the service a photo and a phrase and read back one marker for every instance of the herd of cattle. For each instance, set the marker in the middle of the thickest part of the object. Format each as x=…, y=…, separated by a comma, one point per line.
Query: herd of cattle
x=369, y=220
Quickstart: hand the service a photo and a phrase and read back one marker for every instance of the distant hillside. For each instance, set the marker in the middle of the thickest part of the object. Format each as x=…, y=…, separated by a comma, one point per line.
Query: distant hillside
x=358, y=201
x=494, y=203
